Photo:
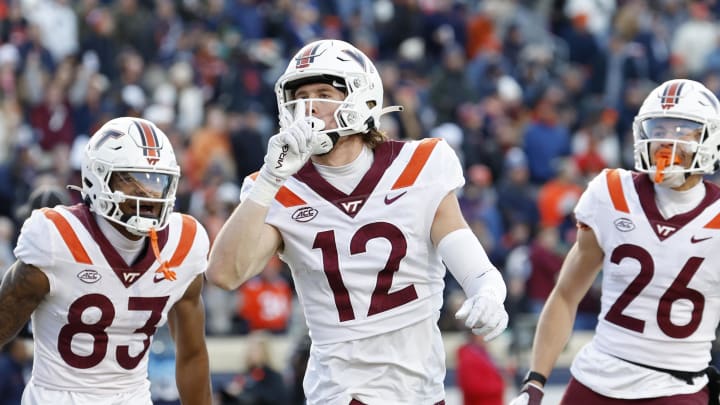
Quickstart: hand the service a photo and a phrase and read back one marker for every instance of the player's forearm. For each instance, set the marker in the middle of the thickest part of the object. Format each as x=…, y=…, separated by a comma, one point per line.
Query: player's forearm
x=9, y=326
x=193, y=379
x=21, y=291
x=238, y=253
x=553, y=331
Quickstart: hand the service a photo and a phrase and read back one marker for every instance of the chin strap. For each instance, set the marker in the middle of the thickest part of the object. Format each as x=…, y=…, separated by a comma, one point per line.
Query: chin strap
x=164, y=265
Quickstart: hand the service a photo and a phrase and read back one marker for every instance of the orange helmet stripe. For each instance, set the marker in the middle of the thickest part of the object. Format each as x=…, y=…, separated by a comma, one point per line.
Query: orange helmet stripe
x=671, y=95
x=149, y=139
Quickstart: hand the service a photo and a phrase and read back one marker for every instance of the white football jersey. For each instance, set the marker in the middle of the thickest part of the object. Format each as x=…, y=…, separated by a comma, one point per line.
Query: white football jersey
x=364, y=263
x=93, y=329
x=660, y=284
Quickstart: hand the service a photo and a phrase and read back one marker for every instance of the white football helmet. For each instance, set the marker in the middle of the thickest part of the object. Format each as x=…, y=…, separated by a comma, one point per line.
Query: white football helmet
x=687, y=106
x=345, y=67
x=140, y=154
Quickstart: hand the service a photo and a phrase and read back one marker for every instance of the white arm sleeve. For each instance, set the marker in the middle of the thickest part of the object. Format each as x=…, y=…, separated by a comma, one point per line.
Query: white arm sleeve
x=467, y=261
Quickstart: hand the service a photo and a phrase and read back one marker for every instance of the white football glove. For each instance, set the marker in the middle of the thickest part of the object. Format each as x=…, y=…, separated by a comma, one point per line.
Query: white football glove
x=288, y=151
x=290, y=148
x=484, y=315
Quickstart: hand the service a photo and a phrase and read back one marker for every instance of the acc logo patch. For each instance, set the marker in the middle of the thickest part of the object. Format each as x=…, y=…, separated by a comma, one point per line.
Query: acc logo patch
x=89, y=276
x=624, y=224
x=305, y=214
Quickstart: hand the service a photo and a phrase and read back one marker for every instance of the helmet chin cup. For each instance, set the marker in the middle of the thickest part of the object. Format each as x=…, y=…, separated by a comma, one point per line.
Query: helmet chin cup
x=324, y=143
x=316, y=123
x=670, y=178
x=140, y=226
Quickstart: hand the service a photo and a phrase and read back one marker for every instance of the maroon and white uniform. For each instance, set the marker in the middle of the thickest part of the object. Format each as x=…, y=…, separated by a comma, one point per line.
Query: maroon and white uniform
x=661, y=288
x=367, y=273
x=93, y=329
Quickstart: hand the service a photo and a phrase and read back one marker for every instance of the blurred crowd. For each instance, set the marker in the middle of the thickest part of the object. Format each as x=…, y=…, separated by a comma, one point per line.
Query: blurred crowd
x=536, y=97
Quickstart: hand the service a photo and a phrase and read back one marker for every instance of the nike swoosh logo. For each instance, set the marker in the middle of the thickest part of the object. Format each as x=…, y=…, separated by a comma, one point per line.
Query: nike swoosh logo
x=390, y=200
x=158, y=278
x=696, y=240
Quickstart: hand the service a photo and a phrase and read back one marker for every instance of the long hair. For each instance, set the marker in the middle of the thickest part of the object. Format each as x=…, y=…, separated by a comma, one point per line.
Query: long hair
x=374, y=137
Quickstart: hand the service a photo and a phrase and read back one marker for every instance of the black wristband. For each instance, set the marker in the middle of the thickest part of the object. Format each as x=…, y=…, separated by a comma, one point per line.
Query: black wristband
x=535, y=376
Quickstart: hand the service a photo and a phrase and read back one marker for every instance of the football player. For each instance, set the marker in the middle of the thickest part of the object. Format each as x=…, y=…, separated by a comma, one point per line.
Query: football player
x=98, y=278
x=654, y=232
x=365, y=225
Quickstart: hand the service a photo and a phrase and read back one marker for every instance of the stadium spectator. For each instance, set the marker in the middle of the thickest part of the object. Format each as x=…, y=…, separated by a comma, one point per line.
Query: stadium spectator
x=479, y=378
x=14, y=359
x=259, y=383
x=265, y=301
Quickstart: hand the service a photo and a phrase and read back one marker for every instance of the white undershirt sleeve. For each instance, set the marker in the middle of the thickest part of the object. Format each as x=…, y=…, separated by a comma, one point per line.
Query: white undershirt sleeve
x=467, y=261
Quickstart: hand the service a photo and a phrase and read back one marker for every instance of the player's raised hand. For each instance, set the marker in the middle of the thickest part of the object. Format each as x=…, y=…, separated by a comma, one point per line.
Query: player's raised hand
x=531, y=394
x=290, y=148
x=287, y=152
x=484, y=315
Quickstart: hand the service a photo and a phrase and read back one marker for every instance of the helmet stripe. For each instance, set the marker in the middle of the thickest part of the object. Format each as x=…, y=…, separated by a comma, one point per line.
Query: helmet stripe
x=149, y=140
x=710, y=99
x=357, y=57
x=671, y=95
x=307, y=56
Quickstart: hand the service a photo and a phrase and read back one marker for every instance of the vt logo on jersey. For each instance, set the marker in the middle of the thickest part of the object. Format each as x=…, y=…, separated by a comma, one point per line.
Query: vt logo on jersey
x=663, y=230
x=130, y=277
x=351, y=206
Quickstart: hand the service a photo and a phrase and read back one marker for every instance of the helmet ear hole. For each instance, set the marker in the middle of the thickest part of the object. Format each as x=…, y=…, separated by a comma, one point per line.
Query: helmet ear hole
x=370, y=123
